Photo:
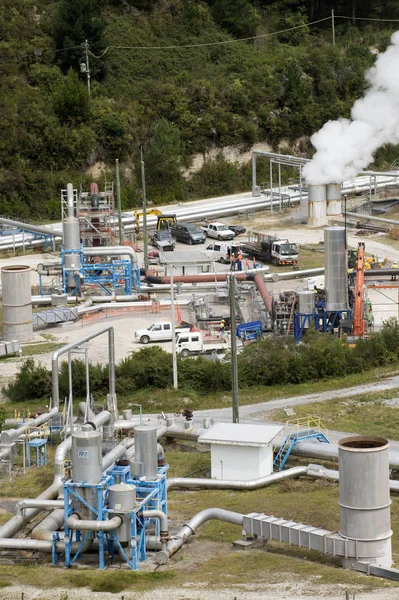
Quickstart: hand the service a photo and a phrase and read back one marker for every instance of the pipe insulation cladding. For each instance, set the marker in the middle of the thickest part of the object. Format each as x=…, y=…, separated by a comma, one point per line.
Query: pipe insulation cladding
x=364, y=498
x=335, y=269
x=17, y=303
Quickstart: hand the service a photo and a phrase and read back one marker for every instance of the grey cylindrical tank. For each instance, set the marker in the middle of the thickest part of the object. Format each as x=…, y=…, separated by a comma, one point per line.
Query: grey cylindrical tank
x=86, y=455
x=364, y=498
x=335, y=269
x=122, y=500
x=334, y=199
x=306, y=303
x=17, y=303
x=317, y=205
x=145, y=450
x=72, y=242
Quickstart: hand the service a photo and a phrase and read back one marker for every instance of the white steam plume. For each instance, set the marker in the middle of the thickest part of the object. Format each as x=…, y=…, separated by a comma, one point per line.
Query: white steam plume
x=346, y=146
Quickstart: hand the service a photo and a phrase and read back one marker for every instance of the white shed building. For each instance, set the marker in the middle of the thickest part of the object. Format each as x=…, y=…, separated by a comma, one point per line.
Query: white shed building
x=241, y=451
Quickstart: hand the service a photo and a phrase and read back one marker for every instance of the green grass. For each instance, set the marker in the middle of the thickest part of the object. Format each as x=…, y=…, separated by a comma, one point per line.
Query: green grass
x=40, y=348
x=363, y=414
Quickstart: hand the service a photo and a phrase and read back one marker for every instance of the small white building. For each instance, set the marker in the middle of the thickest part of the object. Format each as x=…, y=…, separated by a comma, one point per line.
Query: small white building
x=241, y=451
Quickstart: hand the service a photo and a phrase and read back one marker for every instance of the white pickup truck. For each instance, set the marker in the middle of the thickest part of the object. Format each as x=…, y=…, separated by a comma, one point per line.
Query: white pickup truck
x=219, y=231
x=192, y=343
x=158, y=332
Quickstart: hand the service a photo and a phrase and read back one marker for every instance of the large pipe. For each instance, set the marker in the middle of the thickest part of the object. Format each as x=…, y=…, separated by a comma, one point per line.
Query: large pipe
x=13, y=434
x=38, y=503
x=112, y=406
x=29, y=227
x=262, y=289
x=320, y=472
x=372, y=218
x=191, y=527
x=228, y=484
x=76, y=523
x=113, y=251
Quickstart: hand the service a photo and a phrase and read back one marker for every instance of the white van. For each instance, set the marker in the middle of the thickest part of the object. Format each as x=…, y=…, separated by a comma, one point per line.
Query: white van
x=223, y=251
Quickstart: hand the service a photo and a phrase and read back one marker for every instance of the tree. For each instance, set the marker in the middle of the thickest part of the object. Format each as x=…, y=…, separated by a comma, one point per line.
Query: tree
x=75, y=22
x=71, y=101
x=239, y=17
x=163, y=159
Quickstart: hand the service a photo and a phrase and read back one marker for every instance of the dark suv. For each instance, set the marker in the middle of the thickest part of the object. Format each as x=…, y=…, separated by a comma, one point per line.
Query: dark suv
x=189, y=234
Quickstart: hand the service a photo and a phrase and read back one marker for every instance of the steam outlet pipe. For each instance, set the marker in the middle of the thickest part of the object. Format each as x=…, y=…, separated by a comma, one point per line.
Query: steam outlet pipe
x=228, y=484
x=112, y=406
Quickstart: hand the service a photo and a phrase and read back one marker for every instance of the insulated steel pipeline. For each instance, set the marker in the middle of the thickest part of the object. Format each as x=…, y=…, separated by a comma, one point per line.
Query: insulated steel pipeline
x=191, y=527
x=227, y=484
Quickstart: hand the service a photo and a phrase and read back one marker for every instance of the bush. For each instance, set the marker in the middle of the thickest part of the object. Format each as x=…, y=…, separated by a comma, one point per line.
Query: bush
x=32, y=381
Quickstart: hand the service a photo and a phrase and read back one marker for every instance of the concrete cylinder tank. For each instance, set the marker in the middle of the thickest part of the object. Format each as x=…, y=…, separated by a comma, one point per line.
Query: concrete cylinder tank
x=306, y=303
x=317, y=205
x=334, y=200
x=335, y=269
x=86, y=455
x=121, y=501
x=17, y=303
x=364, y=498
x=145, y=448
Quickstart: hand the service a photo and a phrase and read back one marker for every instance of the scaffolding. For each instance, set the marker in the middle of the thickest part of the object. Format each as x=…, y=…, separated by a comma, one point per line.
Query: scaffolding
x=96, y=220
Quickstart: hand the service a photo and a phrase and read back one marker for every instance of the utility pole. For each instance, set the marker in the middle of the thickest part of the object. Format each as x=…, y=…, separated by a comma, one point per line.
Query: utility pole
x=173, y=320
x=118, y=200
x=346, y=235
x=233, y=347
x=87, y=65
x=144, y=210
x=333, y=26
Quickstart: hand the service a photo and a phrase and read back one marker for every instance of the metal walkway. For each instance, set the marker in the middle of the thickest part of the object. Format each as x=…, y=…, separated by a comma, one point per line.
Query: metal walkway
x=299, y=431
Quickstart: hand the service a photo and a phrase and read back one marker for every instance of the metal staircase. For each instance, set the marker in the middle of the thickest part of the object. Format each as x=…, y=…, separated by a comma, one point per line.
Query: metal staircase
x=296, y=431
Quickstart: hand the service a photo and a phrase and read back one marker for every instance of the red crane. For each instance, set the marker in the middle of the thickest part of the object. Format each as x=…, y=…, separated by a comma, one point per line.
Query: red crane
x=358, y=316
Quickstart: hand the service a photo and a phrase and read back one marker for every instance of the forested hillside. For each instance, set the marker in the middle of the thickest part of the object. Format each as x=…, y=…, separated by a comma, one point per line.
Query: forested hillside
x=205, y=90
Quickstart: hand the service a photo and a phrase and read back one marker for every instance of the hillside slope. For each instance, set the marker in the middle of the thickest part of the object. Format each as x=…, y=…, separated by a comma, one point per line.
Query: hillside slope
x=174, y=102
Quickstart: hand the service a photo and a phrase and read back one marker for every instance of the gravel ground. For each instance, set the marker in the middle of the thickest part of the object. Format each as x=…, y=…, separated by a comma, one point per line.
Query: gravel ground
x=291, y=591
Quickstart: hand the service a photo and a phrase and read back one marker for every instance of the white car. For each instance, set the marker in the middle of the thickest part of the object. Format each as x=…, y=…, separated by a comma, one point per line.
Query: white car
x=219, y=231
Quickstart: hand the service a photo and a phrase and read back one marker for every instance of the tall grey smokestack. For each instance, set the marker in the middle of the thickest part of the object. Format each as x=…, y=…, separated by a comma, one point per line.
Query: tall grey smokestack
x=346, y=146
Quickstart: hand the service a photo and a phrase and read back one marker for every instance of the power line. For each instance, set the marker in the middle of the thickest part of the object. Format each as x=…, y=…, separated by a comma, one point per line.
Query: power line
x=367, y=19
x=206, y=44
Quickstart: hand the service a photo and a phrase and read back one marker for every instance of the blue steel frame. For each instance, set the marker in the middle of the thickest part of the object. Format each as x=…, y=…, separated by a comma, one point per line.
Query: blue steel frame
x=150, y=495
x=325, y=321
x=117, y=275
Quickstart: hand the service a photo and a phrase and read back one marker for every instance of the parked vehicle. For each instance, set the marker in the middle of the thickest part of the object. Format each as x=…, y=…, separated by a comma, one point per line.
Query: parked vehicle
x=158, y=332
x=187, y=233
x=163, y=221
x=193, y=343
x=238, y=229
x=219, y=231
x=272, y=250
x=163, y=240
x=224, y=251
